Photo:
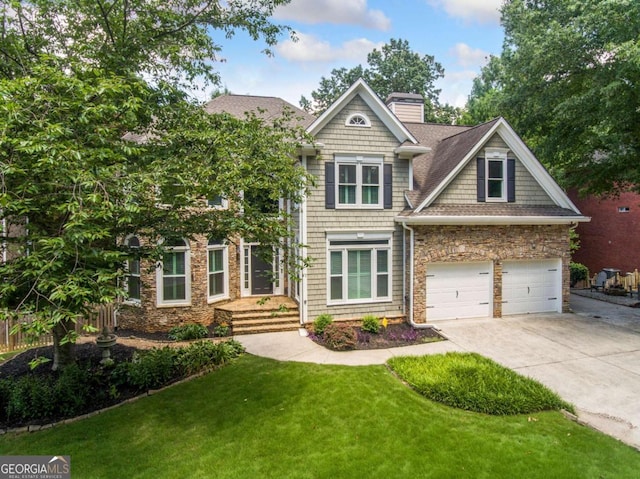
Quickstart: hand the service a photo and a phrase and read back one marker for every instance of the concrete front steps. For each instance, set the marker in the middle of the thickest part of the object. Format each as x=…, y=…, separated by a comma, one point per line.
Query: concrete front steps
x=260, y=315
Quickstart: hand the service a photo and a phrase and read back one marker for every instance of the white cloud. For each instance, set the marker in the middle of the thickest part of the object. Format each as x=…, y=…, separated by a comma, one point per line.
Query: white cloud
x=349, y=12
x=456, y=87
x=468, y=57
x=310, y=48
x=478, y=11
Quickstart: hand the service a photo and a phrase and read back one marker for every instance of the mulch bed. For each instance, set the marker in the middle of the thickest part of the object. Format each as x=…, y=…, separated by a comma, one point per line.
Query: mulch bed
x=393, y=336
x=86, y=354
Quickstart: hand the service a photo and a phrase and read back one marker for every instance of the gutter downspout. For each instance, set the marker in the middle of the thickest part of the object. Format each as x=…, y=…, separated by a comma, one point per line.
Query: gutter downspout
x=411, y=249
x=303, y=253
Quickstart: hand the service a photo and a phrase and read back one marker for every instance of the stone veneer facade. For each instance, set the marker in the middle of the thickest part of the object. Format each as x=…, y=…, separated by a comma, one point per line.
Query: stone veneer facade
x=147, y=316
x=441, y=244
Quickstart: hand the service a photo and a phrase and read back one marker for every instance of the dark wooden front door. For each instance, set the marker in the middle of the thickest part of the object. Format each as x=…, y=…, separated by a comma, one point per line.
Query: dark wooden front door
x=261, y=273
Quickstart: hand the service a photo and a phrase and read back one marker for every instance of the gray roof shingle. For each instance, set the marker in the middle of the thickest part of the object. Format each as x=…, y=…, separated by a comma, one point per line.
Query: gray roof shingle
x=265, y=107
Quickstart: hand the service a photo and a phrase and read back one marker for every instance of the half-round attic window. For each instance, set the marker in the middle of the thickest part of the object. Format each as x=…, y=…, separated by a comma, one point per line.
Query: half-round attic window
x=358, y=119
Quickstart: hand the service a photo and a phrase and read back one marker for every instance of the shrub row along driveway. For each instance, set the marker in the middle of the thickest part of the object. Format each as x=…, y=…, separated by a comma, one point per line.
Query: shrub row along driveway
x=591, y=358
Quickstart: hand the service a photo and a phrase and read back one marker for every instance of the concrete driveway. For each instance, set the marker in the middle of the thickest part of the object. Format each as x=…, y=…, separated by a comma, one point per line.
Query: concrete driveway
x=591, y=358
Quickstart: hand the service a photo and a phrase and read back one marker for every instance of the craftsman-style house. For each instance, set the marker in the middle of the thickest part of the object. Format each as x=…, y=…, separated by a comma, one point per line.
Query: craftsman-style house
x=406, y=220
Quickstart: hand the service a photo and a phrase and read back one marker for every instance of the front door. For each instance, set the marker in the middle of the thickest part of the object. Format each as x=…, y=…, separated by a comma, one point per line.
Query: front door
x=261, y=273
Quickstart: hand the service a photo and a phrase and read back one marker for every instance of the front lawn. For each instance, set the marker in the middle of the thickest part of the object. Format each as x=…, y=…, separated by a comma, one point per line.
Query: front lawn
x=259, y=418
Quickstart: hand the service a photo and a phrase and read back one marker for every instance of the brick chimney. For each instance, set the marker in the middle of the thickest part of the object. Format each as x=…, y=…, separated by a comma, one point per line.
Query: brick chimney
x=408, y=107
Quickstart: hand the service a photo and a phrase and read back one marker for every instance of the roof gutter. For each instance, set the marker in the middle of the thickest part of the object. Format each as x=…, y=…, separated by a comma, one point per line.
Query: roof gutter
x=491, y=220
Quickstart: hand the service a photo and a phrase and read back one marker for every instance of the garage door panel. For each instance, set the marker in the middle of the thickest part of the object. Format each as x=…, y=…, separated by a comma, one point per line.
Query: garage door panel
x=531, y=286
x=458, y=290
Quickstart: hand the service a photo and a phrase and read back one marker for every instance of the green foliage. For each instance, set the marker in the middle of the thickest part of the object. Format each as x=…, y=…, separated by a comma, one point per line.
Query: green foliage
x=164, y=41
x=254, y=406
x=67, y=168
x=392, y=68
x=79, y=388
x=570, y=87
x=578, y=272
x=151, y=369
x=475, y=383
x=221, y=330
x=340, y=337
x=371, y=324
x=321, y=323
x=204, y=354
x=188, y=331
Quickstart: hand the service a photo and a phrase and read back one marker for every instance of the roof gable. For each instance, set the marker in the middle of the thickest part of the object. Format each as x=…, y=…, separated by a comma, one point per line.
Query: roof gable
x=360, y=87
x=455, y=152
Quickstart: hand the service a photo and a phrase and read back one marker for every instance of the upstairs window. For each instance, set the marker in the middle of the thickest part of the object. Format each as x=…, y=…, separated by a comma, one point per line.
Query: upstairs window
x=496, y=179
x=218, y=202
x=359, y=182
x=358, y=119
x=496, y=176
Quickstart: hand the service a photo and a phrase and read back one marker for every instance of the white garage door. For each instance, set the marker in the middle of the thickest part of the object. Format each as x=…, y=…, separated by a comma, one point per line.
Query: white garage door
x=458, y=290
x=531, y=286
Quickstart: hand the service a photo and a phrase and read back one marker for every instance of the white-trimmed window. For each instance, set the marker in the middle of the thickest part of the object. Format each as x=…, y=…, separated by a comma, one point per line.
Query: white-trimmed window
x=132, y=278
x=359, y=268
x=217, y=270
x=496, y=177
x=174, y=275
x=358, y=119
x=219, y=202
x=359, y=181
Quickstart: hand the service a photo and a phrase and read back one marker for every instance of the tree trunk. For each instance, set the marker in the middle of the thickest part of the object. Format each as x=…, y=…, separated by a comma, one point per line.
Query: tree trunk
x=63, y=354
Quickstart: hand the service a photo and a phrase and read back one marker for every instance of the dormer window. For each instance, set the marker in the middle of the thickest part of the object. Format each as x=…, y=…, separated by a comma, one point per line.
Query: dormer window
x=496, y=176
x=358, y=119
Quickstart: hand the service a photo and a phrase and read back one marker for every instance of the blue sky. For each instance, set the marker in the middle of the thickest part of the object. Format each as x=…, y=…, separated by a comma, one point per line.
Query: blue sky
x=460, y=34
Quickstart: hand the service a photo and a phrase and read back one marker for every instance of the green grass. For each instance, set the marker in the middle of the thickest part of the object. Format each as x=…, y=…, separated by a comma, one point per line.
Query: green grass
x=259, y=418
x=475, y=383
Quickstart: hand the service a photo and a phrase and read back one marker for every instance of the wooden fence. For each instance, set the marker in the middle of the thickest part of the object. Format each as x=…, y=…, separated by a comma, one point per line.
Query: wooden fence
x=103, y=315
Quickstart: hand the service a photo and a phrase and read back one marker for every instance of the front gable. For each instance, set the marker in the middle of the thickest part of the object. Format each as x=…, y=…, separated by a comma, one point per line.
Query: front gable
x=374, y=104
x=533, y=184
x=463, y=189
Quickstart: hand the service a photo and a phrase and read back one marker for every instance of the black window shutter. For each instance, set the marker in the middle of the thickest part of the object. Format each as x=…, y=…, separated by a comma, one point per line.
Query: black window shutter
x=481, y=181
x=511, y=180
x=387, y=189
x=330, y=185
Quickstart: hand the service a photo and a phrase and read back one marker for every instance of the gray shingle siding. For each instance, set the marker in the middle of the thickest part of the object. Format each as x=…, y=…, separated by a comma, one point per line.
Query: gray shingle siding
x=341, y=139
x=462, y=190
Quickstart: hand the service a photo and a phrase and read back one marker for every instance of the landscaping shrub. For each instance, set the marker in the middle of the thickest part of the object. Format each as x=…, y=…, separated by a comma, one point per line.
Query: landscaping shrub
x=221, y=330
x=321, y=323
x=73, y=391
x=578, y=272
x=203, y=354
x=340, y=337
x=78, y=389
x=188, y=331
x=371, y=324
x=153, y=368
x=475, y=383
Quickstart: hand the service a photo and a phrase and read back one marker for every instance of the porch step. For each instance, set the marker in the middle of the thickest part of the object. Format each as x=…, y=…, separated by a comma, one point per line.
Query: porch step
x=249, y=316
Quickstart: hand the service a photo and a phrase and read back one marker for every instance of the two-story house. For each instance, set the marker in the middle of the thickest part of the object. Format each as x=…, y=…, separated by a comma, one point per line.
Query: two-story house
x=406, y=220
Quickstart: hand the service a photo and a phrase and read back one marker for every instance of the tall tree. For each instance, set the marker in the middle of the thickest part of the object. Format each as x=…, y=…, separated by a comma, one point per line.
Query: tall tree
x=571, y=86
x=484, y=102
x=392, y=68
x=91, y=131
